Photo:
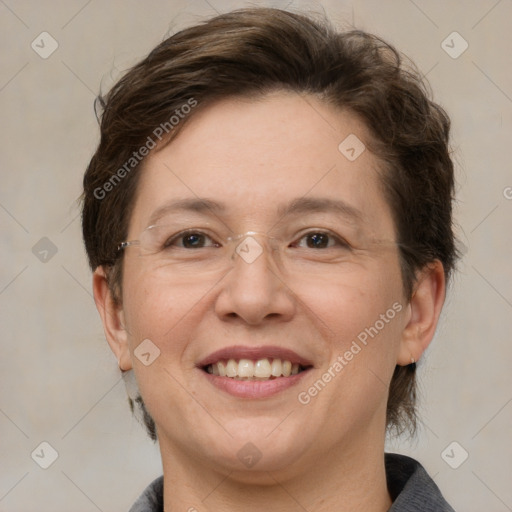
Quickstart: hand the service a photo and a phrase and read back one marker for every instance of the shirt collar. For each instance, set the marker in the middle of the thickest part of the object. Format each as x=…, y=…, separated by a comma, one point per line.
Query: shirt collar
x=409, y=486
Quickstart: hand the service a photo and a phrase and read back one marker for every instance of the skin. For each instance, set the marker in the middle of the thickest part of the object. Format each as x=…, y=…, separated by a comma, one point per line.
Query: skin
x=328, y=454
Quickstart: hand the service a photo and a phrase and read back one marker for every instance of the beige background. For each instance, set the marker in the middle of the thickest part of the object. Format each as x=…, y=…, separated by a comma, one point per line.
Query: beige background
x=59, y=381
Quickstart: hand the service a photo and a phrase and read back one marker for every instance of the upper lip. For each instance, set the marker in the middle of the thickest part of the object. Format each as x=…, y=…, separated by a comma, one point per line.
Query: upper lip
x=254, y=353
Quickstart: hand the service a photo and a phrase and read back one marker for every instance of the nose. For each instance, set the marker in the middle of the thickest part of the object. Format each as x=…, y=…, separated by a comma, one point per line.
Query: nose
x=253, y=290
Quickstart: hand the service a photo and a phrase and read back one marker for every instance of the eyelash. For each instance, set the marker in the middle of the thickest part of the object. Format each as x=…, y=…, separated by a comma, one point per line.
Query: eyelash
x=339, y=241
x=183, y=234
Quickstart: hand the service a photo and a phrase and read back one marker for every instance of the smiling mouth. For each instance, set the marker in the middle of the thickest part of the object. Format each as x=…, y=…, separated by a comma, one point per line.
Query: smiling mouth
x=254, y=370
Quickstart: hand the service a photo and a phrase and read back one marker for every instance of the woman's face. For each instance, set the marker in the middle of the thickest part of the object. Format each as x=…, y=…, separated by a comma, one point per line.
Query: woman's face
x=273, y=166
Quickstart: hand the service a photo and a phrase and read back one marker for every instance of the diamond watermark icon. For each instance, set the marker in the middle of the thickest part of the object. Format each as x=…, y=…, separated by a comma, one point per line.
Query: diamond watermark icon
x=44, y=250
x=454, y=455
x=44, y=455
x=351, y=147
x=249, y=455
x=146, y=352
x=249, y=249
x=44, y=45
x=454, y=45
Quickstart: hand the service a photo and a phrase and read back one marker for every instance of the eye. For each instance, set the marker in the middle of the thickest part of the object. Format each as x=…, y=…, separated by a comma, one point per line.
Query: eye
x=190, y=240
x=320, y=240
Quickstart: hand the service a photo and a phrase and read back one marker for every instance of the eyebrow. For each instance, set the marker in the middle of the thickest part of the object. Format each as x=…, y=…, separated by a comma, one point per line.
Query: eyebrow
x=297, y=206
x=187, y=205
x=320, y=205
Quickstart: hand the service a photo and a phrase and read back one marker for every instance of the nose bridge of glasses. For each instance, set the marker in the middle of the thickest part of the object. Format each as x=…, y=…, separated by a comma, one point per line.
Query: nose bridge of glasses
x=249, y=246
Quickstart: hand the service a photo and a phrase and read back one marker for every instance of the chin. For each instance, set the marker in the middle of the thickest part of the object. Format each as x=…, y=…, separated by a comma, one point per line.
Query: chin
x=257, y=466
x=258, y=446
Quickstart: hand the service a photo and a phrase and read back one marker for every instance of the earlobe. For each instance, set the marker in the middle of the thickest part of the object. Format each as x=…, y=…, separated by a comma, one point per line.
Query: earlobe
x=112, y=316
x=424, y=310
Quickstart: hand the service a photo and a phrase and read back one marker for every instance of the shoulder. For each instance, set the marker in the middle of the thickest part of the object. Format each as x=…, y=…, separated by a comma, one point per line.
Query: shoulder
x=411, y=488
x=152, y=499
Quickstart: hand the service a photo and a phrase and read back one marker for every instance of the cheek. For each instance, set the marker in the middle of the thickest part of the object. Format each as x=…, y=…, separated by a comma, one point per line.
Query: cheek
x=169, y=318
x=348, y=304
x=364, y=326
x=154, y=307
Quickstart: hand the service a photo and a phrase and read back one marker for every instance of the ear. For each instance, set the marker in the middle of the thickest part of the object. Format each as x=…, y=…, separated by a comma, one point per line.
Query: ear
x=424, y=311
x=112, y=316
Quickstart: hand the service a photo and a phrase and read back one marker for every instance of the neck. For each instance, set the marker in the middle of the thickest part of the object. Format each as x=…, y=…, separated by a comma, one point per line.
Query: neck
x=351, y=478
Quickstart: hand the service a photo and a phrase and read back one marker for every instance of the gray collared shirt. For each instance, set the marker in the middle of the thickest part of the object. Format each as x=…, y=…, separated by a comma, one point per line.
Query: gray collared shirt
x=409, y=485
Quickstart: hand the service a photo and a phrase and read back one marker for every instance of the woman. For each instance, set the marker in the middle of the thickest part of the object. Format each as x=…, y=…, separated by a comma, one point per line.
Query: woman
x=269, y=220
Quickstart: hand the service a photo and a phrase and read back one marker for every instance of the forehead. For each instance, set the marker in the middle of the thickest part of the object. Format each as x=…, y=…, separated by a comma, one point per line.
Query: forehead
x=255, y=156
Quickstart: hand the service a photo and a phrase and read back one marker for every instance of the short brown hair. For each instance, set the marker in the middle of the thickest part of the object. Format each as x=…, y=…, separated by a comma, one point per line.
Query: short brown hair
x=257, y=51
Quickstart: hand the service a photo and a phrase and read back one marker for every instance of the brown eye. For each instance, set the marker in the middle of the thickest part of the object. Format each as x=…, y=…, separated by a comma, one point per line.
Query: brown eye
x=317, y=240
x=190, y=240
x=320, y=240
x=193, y=240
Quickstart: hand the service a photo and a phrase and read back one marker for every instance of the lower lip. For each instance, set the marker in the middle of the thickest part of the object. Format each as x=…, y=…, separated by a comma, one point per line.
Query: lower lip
x=254, y=388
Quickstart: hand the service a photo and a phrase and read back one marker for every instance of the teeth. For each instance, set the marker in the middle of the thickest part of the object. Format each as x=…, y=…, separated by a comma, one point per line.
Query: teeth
x=245, y=368
x=262, y=369
x=277, y=368
x=231, y=368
